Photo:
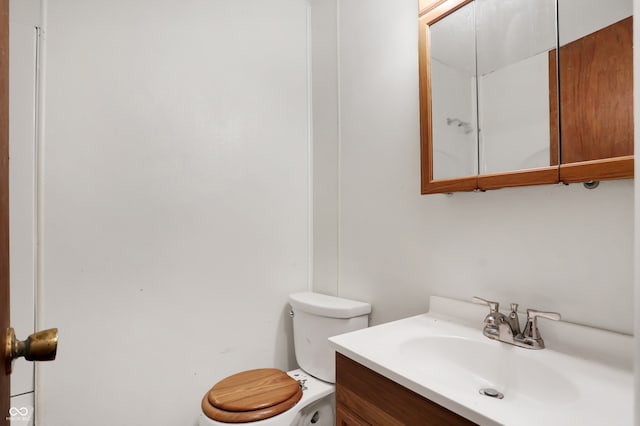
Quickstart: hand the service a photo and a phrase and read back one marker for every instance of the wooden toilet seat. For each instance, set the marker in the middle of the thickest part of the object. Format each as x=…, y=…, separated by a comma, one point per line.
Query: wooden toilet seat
x=251, y=396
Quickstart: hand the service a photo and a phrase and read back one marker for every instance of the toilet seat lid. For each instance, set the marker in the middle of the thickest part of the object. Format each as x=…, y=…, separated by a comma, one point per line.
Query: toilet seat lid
x=253, y=390
x=251, y=395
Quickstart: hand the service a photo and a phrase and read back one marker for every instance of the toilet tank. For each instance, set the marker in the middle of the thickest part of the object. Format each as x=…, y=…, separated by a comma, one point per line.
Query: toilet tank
x=316, y=317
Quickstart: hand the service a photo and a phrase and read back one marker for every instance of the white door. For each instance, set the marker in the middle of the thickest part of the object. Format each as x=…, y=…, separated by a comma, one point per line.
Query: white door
x=23, y=41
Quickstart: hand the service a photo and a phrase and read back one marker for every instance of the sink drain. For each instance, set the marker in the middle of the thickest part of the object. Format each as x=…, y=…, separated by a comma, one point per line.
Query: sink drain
x=491, y=393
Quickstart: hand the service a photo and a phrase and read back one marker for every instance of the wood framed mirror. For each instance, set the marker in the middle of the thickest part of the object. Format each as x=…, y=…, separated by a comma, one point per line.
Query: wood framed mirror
x=502, y=105
x=449, y=144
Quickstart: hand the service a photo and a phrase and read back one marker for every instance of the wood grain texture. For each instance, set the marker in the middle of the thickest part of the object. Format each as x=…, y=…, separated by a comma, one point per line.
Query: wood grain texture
x=605, y=169
x=344, y=417
x=596, y=93
x=425, y=5
x=424, y=80
x=554, y=129
x=220, y=415
x=4, y=203
x=376, y=400
x=251, y=395
x=445, y=186
x=540, y=176
x=428, y=184
x=440, y=9
x=253, y=390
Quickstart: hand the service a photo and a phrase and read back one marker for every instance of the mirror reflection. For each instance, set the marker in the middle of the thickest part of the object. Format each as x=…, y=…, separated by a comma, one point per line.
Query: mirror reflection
x=514, y=39
x=453, y=94
x=520, y=93
x=493, y=94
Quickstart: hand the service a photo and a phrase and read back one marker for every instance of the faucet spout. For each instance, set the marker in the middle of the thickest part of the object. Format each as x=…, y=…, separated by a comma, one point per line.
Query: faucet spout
x=505, y=332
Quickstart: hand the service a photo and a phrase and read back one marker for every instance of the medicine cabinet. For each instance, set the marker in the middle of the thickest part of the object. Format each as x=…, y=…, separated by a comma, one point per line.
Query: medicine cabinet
x=516, y=93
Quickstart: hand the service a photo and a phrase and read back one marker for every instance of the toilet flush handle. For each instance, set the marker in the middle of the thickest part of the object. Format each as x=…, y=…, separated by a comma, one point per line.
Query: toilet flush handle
x=291, y=313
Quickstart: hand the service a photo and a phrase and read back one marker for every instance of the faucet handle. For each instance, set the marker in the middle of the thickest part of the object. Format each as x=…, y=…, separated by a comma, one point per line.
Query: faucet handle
x=493, y=306
x=531, y=334
x=532, y=314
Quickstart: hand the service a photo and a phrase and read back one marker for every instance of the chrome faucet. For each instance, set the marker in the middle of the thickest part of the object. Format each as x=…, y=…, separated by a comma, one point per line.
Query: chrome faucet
x=506, y=328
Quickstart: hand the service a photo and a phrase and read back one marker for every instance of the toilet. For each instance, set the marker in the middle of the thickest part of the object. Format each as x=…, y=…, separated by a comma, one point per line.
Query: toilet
x=304, y=396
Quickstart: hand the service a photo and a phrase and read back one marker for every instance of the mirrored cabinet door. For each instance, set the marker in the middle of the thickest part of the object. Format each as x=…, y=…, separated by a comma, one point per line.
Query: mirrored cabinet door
x=448, y=112
x=517, y=96
x=516, y=93
x=487, y=100
x=452, y=65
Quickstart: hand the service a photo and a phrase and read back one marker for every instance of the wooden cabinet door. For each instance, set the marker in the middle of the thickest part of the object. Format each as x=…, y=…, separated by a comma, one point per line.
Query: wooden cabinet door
x=378, y=400
x=596, y=110
x=344, y=417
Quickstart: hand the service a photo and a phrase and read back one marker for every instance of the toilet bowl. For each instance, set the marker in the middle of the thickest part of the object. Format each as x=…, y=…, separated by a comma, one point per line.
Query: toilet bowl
x=305, y=396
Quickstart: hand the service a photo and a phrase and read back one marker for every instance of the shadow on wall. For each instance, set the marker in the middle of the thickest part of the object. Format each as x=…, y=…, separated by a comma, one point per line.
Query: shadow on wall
x=284, y=348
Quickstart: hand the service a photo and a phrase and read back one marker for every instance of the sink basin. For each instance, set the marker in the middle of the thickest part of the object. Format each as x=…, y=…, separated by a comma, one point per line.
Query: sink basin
x=471, y=365
x=444, y=357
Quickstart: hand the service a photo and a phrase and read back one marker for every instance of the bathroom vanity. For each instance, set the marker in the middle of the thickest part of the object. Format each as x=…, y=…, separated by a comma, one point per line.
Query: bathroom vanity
x=364, y=397
x=439, y=369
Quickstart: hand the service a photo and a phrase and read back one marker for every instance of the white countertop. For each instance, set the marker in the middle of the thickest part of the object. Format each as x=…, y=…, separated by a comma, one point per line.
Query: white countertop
x=444, y=357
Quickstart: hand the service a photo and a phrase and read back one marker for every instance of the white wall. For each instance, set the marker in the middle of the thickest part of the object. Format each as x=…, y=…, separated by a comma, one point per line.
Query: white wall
x=515, y=134
x=175, y=201
x=561, y=248
x=455, y=143
x=325, y=144
x=509, y=32
x=578, y=18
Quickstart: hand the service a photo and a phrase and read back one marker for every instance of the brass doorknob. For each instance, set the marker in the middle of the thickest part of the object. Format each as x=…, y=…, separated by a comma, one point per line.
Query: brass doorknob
x=40, y=346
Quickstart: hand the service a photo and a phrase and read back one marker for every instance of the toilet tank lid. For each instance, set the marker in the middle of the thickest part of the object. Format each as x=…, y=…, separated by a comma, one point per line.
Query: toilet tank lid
x=328, y=306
